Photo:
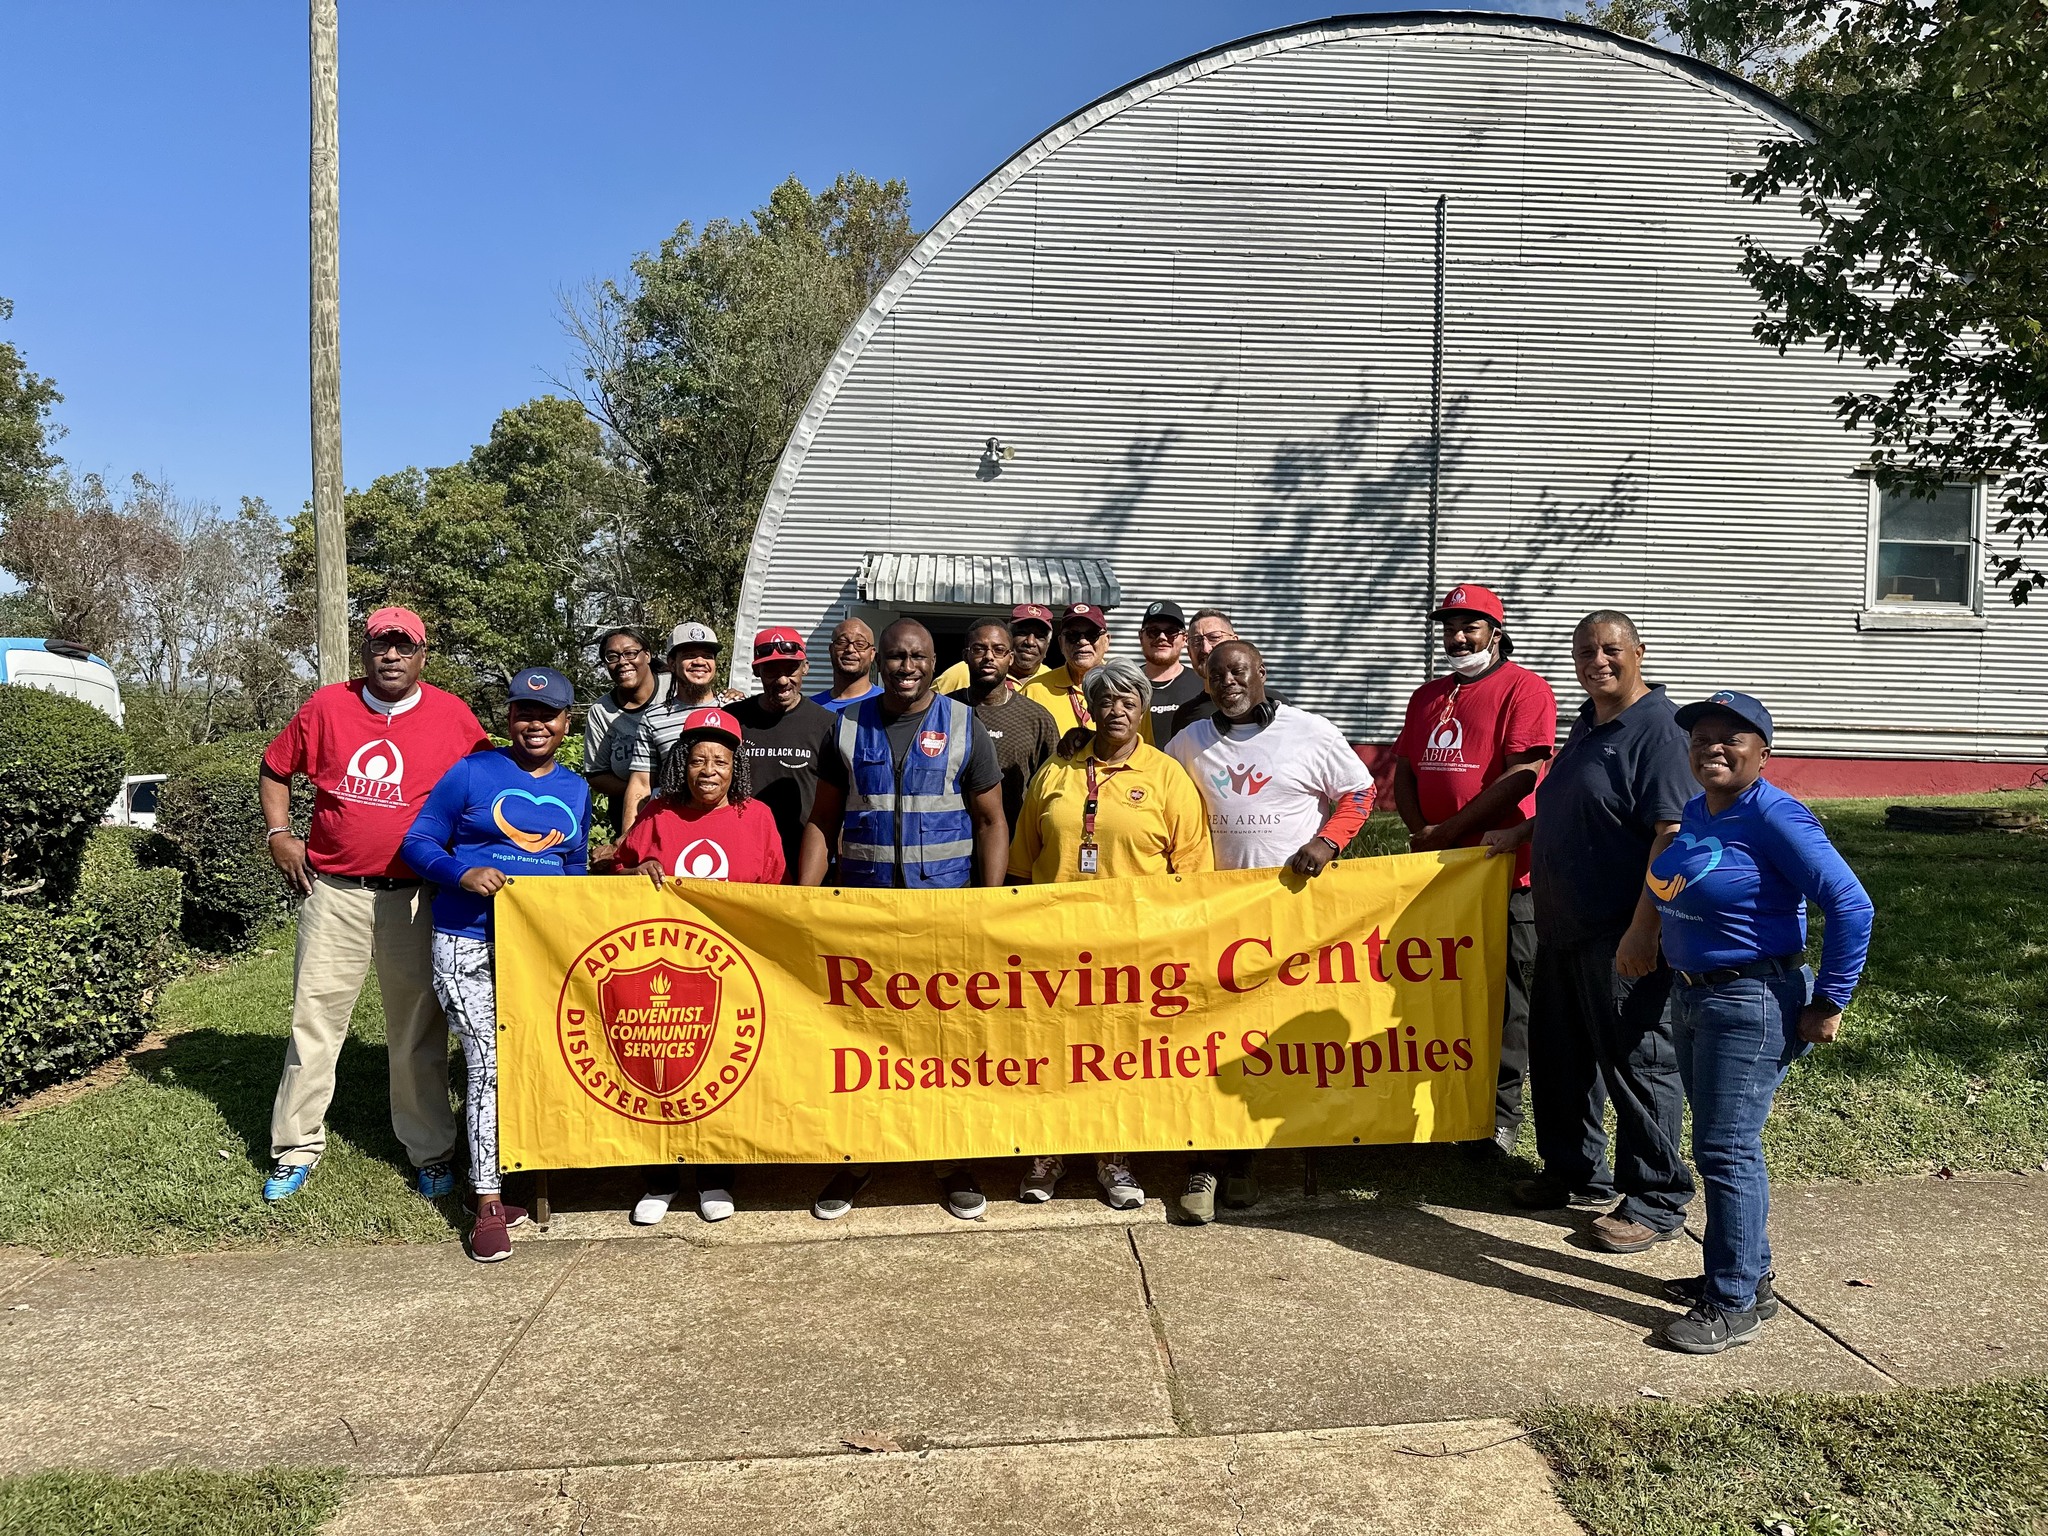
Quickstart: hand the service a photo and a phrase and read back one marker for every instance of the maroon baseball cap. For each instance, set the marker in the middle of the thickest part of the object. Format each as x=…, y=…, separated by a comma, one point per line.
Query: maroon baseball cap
x=1088, y=612
x=1031, y=613
x=778, y=644
x=1472, y=598
x=396, y=621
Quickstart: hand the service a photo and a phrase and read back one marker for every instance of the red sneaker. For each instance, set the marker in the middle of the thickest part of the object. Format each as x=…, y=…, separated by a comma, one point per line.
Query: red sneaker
x=488, y=1240
x=515, y=1215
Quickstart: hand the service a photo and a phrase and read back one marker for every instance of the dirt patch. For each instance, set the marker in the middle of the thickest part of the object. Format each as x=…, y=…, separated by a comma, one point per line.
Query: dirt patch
x=112, y=1070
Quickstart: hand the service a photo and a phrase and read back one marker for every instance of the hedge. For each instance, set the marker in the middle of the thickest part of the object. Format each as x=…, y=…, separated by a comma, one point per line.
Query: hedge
x=61, y=764
x=210, y=828
x=141, y=907
x=71, y=995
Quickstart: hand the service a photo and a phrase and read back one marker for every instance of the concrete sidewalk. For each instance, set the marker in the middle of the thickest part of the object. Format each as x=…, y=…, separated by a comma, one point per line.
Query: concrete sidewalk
x=1066, y=1368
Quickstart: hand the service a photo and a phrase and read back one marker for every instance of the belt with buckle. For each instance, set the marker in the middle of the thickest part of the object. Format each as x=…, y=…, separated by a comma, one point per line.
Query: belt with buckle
x=372, y=882
x=1777, y=965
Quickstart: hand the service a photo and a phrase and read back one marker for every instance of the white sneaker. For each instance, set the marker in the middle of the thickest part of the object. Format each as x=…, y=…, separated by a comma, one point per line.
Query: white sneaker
x=1039, y=1182
x=1118, y=1187
x=715, y=1204
x=651, y=1208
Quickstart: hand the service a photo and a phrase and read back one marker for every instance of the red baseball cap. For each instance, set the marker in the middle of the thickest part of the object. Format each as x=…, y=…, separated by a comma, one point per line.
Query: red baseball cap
x=396, y=621
x=1031, y=613
x=1472, y=598
x=1088, y=611
x=712, y=722
x=778, y=644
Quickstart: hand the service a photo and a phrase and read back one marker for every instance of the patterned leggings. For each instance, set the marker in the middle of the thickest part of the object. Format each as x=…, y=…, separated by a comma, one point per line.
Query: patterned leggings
x=469, y=996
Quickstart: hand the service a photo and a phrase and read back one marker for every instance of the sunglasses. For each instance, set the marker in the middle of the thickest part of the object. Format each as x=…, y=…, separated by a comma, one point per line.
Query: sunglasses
x=769, y=648
x=378, y=645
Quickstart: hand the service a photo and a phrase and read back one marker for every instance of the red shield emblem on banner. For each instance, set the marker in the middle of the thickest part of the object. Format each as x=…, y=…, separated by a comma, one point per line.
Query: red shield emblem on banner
x=659, y=1020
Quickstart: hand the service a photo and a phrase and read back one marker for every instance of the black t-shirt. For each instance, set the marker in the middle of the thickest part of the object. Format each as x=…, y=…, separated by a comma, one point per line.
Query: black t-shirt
x=1025, y=735
x=786, y=754
x=1597, y=811
x=1184, y=688
x=1199, y=706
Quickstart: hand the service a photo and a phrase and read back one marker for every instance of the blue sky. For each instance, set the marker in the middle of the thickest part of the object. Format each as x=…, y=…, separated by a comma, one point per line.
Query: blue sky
x=153, y=202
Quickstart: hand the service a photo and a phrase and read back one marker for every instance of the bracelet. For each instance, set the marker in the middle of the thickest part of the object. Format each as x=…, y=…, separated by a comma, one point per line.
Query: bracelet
x=276, y=832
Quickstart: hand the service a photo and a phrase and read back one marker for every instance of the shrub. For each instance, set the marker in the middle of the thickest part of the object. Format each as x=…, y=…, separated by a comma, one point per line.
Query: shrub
x=211, y=829
x=141, y=908
x=71, y=995
x=61, y=764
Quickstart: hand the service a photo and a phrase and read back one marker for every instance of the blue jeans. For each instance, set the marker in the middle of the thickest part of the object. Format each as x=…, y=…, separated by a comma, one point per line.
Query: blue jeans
x=1736, y=1042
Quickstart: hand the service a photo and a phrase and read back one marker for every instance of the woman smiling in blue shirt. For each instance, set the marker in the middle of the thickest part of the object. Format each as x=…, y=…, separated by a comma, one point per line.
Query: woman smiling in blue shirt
x=1732, y=890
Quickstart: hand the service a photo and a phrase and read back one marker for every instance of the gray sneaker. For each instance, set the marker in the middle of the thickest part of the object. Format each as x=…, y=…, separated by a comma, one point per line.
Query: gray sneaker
x=1198, y=1200
x=1119, y=1188
x=1040, y=1182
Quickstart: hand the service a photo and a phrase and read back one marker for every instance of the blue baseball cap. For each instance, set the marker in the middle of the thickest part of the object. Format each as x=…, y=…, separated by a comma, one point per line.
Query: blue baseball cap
x=1750, y=711
x=543, y=685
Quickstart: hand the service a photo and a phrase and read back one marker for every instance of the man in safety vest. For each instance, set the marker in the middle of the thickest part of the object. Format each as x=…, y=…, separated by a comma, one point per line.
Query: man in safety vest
x=917, y=803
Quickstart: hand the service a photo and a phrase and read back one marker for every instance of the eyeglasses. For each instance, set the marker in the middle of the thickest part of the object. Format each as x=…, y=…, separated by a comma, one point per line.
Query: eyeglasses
x=986, y=650
x=618, y=658
x=378, y=645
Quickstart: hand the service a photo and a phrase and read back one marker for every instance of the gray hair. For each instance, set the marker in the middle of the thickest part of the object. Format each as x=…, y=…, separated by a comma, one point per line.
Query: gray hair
x=1117, y=675
x=1605, y=616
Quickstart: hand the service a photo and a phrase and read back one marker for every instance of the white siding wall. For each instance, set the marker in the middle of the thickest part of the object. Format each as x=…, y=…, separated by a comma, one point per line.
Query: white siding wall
x=1200, y=311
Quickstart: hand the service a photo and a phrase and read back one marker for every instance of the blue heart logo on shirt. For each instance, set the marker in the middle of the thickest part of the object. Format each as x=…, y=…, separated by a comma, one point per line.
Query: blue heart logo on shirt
x=1683, y=852
x=534, y=823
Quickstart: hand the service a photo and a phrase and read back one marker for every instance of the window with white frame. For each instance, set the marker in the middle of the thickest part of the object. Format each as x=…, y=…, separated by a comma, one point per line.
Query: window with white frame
x=1926, y=546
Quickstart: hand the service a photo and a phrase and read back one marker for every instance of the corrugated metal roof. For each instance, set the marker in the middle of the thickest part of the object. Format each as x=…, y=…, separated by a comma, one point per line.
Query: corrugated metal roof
x=988, y=581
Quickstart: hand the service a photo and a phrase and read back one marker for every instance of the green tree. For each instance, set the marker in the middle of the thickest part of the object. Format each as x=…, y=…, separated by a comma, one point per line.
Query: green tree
x=701, y=361
x=1927, y=184
x=1766, y=49
x=26, y=431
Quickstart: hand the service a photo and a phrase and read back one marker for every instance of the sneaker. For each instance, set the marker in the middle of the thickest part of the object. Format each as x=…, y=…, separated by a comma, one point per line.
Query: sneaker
x=286, y=1180
x=1198, y=1200
x=713, y=1203
x=837, y=1198
x=1241, y=1184
x=1040, y=1182
x=963, y=1195
x=436, y=1180
x=489, y=1241
x=652, y=1207
x=515, y=1215
x=1118, y=1187
x=1707, y=1330
x=1693, y=1289
x=1617, y=1234
x=1543, y=1193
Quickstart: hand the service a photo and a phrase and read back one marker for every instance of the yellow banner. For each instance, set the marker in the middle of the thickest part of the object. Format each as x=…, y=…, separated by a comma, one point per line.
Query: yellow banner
x=744, y=1023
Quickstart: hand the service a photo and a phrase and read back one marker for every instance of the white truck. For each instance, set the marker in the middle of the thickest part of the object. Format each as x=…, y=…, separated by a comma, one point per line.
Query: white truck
x=62, y=667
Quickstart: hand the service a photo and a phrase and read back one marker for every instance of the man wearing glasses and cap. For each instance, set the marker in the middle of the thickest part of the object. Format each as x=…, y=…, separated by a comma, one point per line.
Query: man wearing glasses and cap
x=1030, y=639
x=1084, y=640
x=1160, y=638
x=373, y=749
x=1466, y=763
x=788, y=739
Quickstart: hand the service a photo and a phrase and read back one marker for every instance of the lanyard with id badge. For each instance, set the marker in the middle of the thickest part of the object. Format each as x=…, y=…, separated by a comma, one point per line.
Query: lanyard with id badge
x=1089, y=860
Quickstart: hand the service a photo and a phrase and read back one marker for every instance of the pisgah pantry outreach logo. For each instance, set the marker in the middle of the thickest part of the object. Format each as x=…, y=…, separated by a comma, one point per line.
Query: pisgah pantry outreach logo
x=662, y=1021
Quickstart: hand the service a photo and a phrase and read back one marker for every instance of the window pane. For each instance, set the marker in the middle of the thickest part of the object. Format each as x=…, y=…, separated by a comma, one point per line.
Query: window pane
x=1943, y=518
x=1923, y=573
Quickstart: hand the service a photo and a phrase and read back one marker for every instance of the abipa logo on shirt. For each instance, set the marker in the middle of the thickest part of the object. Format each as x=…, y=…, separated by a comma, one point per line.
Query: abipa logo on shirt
x=661, y=1021
x=375, y=774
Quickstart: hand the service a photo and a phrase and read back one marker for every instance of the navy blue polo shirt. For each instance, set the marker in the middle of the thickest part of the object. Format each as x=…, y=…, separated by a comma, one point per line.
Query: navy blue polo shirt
x=1597, y=811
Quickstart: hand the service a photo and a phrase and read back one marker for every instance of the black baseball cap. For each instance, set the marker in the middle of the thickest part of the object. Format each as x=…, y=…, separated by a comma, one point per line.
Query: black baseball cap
x=1169, y=611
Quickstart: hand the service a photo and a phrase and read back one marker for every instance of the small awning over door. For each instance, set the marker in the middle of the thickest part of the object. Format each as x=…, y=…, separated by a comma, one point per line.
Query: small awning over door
x=995, y=582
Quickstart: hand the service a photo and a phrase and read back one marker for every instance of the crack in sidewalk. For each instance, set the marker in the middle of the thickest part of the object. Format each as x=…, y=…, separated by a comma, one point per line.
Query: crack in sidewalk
x=1176, y=1395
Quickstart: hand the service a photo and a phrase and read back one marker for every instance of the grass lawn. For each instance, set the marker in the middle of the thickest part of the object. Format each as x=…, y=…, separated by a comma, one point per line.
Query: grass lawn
x=1970, y=1461
x=273, y=1502
x=1943, y=1062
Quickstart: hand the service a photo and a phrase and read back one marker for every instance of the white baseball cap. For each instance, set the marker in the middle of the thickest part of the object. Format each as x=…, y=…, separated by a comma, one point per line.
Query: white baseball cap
x=693, y=634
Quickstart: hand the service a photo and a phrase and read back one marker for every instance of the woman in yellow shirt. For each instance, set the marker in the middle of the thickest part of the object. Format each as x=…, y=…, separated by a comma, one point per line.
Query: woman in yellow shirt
x=1116, y=807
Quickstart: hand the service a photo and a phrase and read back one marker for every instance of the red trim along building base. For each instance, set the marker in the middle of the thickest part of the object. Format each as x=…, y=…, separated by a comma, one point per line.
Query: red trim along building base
x=1838, y=778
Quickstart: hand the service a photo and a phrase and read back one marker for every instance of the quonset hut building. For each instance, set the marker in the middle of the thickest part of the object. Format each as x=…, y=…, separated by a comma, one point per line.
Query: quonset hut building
x=1316, y=324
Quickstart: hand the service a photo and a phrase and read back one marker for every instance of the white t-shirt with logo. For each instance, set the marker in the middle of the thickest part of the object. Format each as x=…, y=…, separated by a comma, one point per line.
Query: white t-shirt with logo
x=1268, y=791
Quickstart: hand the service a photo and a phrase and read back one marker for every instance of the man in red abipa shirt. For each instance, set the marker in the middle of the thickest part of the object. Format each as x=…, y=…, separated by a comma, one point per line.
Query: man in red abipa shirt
x=372, y=748
x=1466, y=764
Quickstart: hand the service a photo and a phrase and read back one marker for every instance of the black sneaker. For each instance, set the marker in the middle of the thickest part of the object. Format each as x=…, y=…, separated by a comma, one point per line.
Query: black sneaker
x=963, y=1195
x=1707, y=1330
x=837, y=1197
x=1691, y=1289
x=1544, y=1193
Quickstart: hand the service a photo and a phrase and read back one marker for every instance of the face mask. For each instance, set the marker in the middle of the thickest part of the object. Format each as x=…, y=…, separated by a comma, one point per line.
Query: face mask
x=1472, y=663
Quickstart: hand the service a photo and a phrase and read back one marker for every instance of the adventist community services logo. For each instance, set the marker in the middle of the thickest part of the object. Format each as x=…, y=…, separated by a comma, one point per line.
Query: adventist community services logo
x=661, y=1022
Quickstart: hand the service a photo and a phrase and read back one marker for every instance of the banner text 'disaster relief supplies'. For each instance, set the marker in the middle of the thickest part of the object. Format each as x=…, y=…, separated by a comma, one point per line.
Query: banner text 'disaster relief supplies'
x=741, y=1023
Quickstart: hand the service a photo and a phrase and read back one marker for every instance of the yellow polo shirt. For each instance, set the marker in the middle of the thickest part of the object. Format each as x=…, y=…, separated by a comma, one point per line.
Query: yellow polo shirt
x=1149, y=820
x=1056, y=690
x=955, y=677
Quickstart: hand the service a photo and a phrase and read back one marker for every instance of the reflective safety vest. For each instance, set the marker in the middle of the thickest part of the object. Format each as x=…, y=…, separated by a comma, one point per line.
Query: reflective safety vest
x=906, y=827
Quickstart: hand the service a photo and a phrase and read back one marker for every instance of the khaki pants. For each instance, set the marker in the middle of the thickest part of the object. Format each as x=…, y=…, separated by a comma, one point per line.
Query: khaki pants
x=342, y=929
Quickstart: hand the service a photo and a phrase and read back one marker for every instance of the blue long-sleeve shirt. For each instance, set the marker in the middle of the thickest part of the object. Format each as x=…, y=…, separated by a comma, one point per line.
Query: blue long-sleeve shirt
x=1733, y=889
x=487, y=810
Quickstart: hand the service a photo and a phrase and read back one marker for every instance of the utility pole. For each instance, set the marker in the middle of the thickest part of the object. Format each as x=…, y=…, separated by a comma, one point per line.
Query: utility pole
x=330, y=538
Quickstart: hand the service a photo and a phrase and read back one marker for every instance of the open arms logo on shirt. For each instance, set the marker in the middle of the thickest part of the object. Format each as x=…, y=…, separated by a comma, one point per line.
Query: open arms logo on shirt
x=533, y=823
x=1688, y=861
x=1241, y=780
